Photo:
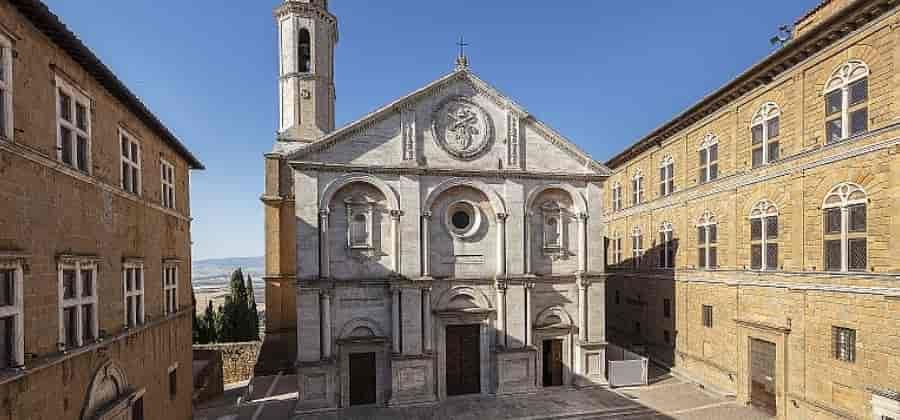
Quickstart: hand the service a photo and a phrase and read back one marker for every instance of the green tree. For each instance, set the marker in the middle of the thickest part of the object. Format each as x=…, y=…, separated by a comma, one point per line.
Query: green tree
x=195, y=323
x=235, y=323
x=254, y=313
x=207, y=325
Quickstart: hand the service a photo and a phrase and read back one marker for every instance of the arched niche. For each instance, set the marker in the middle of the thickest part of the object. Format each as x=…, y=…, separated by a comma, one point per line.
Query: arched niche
x=493, y=197
x=108, y=394
x=462, y=299
x=336, y=185
x=554, y=317
x=361, y=328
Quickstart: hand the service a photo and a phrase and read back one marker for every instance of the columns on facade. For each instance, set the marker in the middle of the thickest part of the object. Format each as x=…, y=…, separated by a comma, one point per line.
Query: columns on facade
x=325, y=297
x=527, y=254
x=426, y=264
x=583, y=286
x=395, y=231
x=529, y=339
x=582, y=242
x=501, y=314
x=395, y=320
x=324, y=257
x=501, y=244
x=426, y=320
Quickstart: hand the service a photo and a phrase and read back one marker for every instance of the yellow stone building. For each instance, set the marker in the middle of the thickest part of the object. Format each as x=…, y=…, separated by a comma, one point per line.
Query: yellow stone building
x=95, y=292
x=753, y=239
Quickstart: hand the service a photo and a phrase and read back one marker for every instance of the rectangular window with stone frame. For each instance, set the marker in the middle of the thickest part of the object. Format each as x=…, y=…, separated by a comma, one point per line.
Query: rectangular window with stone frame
x=844, y=344
x=170, y=289
x=78, y=302
x=11, y=321
x=73, y=126
x=167, y=192
x=707, y=316
x=131, y=163
x=6, y=89
x=133, y=285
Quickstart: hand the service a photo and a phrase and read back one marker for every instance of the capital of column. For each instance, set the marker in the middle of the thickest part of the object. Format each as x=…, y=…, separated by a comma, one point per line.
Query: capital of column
x=395, y=214
x=529, y=285
x=501, y=217
x=501, y=286
x=395, y=290
x=323, y=213
x=584, y=283
x=583, y=216
x=426, y=215
x=326, y=294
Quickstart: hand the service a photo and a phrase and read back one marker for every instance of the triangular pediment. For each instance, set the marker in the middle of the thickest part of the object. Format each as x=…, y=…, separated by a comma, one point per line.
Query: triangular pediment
x=455, y=122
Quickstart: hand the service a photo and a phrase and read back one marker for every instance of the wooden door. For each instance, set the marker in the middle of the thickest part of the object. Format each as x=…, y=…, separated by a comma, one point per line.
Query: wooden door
x=762, y=375
x=362, y=378
x=553, y=362
x=463, y=366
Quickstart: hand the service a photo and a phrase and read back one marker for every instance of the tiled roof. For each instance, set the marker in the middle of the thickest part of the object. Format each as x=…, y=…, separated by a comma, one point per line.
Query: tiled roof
x=50, y=24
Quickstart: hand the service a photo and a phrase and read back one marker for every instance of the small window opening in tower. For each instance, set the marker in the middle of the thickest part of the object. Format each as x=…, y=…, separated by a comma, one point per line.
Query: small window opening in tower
x=303, y=58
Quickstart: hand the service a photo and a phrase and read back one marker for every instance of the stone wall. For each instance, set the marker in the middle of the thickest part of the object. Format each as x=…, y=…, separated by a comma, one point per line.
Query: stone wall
x=238, y=359
x=796, y=303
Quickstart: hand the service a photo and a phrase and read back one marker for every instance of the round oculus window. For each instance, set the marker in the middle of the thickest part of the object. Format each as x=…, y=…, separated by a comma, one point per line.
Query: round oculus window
x=462, y=219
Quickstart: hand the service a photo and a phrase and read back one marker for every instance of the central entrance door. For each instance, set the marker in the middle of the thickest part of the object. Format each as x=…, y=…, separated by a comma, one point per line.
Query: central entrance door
x=463, y=359
x=762, y=375
x=362, y=378
x=553, y=362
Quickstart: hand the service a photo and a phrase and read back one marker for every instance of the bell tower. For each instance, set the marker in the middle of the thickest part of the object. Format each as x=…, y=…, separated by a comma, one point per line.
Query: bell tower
x=307, y=35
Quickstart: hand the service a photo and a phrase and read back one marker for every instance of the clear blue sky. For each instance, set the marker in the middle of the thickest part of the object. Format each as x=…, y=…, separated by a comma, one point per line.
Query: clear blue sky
x=603, y=73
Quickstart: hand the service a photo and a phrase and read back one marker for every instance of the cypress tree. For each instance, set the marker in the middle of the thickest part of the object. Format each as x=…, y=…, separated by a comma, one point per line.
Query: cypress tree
x=208, y=324
x=235, y=315
x=254, y=313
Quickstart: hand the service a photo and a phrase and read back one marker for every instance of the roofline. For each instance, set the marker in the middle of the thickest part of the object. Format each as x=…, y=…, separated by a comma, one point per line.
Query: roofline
x=50, y=24
x=761, y=73
x=458, y=74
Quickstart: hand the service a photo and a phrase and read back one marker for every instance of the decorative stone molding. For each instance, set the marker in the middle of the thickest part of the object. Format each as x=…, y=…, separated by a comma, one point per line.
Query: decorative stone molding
x=462, y=128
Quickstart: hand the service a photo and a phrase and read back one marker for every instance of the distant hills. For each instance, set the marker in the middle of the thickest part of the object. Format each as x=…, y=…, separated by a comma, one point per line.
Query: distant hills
x=215, y=273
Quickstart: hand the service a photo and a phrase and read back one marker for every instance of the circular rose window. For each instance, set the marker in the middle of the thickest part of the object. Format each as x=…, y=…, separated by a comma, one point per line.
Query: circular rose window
x=462, y=219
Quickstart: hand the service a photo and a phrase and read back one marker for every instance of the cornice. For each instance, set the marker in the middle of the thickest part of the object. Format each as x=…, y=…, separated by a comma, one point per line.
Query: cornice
x=438, y=87
x=447, y=172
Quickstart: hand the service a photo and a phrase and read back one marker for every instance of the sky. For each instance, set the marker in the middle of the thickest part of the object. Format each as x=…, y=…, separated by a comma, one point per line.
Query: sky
x=602, y=73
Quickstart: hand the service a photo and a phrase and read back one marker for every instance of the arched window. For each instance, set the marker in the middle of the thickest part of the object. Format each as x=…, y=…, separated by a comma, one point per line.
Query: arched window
x=616, y=242
x=846, y=101
x=709, y=158
x=707, y=237
x=637, y=246
x=666, y=246
x=764, y=236
x=553, y=230
x=666, y=176
x=844, y=211
x=304, y=51
x=617, y=196
x=637, y=188
x=764, y=131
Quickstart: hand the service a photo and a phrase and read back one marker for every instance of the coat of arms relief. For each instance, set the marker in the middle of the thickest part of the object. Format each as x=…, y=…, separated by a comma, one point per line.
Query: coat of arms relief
x=462, y=128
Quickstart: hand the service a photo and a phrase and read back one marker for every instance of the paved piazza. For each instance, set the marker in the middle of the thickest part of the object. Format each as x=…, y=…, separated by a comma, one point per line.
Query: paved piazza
x=668, y=398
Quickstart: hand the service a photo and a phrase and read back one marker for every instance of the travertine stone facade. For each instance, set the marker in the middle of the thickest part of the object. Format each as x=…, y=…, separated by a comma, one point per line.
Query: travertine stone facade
x=451, y=206
x=57, y=216
x=799, y=301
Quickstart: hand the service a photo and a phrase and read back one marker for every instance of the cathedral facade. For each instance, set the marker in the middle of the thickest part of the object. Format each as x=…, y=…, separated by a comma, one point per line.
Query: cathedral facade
x=441, y=245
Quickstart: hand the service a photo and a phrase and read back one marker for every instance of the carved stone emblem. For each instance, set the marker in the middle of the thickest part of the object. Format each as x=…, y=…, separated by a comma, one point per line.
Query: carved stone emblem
x=462, y=128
